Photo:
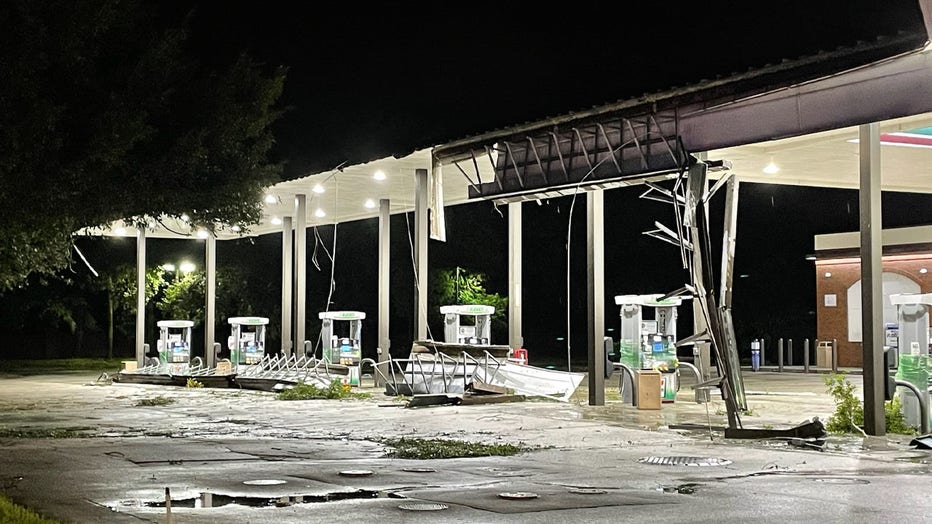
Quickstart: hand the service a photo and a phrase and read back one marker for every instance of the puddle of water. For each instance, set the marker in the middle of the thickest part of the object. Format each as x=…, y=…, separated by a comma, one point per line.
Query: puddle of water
x=683, y=489
x=215, y=500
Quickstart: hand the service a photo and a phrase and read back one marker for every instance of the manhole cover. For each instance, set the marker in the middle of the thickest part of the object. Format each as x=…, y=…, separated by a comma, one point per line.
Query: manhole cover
x=841, y=480
x=588, y=491
x=684, y=461
x=264, y=482
x=423, y=506
x=419, y=470
x=356, y=473
x=518, y=495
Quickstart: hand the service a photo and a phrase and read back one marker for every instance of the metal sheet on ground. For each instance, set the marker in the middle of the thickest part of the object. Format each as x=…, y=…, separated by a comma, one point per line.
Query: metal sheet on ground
x=548, y=498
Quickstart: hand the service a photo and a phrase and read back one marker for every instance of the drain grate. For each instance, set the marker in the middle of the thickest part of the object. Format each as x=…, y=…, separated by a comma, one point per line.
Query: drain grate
x=684, y=461
x=423, y=507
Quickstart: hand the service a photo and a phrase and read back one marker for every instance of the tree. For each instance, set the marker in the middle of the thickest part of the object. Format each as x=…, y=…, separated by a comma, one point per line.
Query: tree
x=107, y=114
x=120, y=287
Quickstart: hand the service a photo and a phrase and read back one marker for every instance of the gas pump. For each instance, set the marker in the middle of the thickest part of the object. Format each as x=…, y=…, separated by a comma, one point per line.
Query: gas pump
x=912, y=343
x=174, y=344
x=247, y=342
x=345, y=348
x=649, y=343
x=476, y=332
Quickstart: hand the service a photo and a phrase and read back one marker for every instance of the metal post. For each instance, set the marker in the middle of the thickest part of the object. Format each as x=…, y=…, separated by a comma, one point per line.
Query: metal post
x=762, y=354
x=384, y=280
x=210, y=306
x=806, y=355
x=921, y=396
x=287, y=283
x=871, y=280
x=140, y=296
x=834, y=355
x=421, y=185
x=780, y=355
x=300, y=267
x=789, y=352
x=596, y=295
x=515, y=338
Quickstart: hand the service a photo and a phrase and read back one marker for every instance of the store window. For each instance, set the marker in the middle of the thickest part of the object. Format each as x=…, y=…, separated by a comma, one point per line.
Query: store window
x=893, y=283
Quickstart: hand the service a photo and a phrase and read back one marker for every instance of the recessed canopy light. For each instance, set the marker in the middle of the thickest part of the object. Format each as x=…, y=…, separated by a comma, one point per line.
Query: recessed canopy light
x=202, y=234
x=270, y=199
x=185, y=217
x=771, y=168
x=186, y=267
x=828, y=274
x=379, y=175
x=318, y=189
x=235, y=228
x=320, y=213
x=369, y=203
x=923, y=271
x=120, y=231
x=276, y=221
x=168, y=267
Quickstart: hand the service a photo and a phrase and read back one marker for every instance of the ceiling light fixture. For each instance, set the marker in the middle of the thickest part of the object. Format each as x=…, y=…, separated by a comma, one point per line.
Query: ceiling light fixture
x=318, y=189
x=320, y=213
x=270, y=199
x=120, y=231
x=379, y=175
x=828, y=274
x=168, y=267
x=369, y=203
x=923, y=271
x=276, y=221
x=186, y=267
x=202, y=234
x=771, y=168
x=185, y=217
x=235, y=228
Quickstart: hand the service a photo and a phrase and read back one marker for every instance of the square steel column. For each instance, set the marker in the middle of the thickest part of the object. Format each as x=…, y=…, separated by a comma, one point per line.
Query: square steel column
x=140, y=296
x=871, y=280
x=210, y=306
x=515, y=338
x=595, y=280
x=300, y=269
x=287, y=285
x=384, y=282
x=420, y=251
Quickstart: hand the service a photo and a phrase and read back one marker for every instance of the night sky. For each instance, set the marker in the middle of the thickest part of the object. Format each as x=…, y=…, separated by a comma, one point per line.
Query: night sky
x=371, y=80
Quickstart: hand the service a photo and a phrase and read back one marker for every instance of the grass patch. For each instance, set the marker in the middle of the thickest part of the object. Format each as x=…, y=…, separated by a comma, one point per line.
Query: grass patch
x=413, y=448
x=194, y=383
x=155, y=401
x=58, y=365
x=336, y=390
x=10, y=512
x=72, y=432
x=849, y=410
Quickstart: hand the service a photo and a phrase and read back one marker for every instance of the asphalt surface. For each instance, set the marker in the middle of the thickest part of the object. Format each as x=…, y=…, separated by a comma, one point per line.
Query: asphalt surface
x=243, y=456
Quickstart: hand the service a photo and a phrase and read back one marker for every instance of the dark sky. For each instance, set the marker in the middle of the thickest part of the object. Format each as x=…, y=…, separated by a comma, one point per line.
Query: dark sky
x=370, y=80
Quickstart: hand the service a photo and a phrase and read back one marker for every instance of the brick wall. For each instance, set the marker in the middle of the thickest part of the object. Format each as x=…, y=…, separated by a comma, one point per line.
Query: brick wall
x=833, y=321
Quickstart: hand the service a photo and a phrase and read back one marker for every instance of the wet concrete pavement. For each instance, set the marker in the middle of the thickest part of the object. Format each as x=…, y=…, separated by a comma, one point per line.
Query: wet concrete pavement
x=257, y=459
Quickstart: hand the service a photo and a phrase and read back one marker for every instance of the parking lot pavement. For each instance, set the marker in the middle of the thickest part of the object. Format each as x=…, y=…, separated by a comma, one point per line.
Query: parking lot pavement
x=243, y=456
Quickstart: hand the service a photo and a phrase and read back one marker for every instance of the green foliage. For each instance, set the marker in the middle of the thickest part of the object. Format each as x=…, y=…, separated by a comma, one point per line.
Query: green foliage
x=14, y=513
x=68, y=432
x=849, y=409
x=155, y=401
x=108, y=115
x=413, y=448
x=58, y=365
x=468, y=288
x=194, y=383
x=336, y=390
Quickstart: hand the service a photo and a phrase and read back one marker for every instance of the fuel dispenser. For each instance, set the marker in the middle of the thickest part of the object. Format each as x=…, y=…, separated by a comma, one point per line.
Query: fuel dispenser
x=477, y=331
x=174, y=344
x=649, y=343
x=247, y=342
x=343, y=346
x=912, y=346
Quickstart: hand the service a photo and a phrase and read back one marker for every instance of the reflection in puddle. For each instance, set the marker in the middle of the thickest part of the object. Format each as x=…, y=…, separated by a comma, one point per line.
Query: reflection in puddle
x=215, y=500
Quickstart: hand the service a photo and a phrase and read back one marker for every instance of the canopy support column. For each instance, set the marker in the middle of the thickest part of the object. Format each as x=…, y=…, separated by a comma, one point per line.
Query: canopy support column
x=210, y=309
x=140, y=296
x=300, y=268
x=872, y=334
x=515, y=338
x=287, y=283
x=596, y=290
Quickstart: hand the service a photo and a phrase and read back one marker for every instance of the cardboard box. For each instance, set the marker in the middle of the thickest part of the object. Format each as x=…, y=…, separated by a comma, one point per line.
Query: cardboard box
x=649, y=389
x=224, y=368
x=129, y=365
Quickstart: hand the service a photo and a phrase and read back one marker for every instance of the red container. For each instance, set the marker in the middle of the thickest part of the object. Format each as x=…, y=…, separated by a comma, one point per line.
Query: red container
x=521, y=354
